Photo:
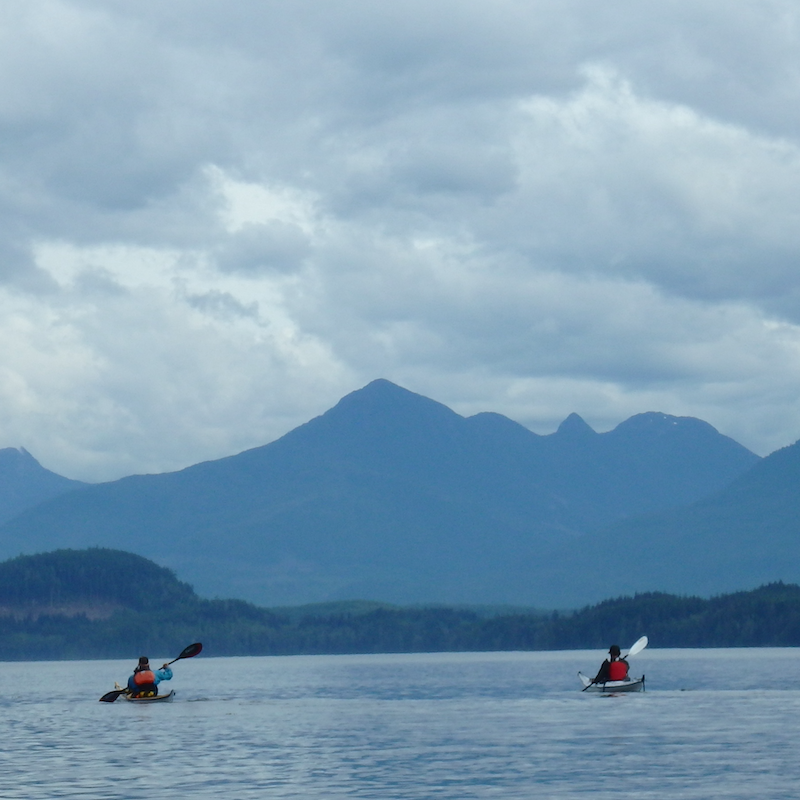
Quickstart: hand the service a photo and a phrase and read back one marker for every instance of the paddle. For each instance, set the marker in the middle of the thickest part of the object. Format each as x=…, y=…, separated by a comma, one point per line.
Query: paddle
x=193, y=649
x=188, y=652
x=636, y=648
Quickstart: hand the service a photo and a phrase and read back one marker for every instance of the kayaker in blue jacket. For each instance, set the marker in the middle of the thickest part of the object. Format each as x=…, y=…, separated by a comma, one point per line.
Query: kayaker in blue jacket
x=144, y=681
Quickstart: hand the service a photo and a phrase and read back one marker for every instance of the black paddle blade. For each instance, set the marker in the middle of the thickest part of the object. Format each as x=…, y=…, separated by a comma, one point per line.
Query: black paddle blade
x=110, y=697
x=188, y=652
x=191, y=651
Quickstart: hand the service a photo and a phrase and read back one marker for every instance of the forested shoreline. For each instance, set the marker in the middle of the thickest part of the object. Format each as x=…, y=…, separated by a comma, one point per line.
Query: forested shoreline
x=151, y=611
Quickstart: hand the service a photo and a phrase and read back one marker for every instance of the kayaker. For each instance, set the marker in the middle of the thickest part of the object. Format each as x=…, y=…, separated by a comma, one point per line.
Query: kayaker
x=144, y=681
x=614, y=668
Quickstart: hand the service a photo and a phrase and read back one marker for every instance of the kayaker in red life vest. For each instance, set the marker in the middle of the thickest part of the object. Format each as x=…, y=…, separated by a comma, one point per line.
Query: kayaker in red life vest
x=144, y=681
x=613, y=668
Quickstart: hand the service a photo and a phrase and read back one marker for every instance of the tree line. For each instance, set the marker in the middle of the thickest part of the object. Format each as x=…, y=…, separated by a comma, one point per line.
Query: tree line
x=147, y=609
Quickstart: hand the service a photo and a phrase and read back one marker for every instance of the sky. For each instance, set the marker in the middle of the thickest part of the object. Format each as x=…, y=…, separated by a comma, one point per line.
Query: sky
x=217, y=219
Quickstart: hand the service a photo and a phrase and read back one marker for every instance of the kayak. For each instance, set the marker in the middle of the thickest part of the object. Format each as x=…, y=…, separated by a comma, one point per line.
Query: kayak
x=156, y=698
x=188, y=652
x=612, y=687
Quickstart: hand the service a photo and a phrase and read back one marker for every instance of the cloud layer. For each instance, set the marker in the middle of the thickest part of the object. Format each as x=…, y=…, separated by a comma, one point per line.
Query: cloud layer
x=218, y=220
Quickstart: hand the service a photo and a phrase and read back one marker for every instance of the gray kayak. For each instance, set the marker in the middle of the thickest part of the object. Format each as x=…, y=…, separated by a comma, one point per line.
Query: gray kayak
x=612, y=687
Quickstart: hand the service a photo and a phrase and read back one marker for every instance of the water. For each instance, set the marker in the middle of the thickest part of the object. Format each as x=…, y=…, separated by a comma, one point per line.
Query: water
x=713, y=724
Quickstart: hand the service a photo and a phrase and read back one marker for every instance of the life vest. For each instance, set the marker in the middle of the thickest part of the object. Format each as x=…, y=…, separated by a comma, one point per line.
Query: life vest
x=617, y=671
x=146, y=676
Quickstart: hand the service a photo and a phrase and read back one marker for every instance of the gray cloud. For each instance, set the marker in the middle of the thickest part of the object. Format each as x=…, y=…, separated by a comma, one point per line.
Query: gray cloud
x=254, y=248
x=218, y=219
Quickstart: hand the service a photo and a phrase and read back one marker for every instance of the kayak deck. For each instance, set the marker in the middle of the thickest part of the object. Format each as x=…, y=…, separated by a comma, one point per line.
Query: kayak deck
x=156, y=698
x=612, y=687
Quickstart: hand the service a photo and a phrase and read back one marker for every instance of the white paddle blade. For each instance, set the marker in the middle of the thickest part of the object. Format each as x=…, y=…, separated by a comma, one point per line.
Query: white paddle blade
x=637, y=647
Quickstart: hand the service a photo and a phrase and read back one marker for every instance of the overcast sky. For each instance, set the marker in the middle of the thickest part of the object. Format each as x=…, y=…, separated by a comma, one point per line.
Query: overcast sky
x=217, y=218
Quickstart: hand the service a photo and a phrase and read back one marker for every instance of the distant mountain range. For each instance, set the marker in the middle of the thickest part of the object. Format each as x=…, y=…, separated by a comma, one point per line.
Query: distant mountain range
x=394, y=497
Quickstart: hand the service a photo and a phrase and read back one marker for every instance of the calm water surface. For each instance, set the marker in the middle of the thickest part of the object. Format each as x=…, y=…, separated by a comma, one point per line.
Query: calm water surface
x=713, y=724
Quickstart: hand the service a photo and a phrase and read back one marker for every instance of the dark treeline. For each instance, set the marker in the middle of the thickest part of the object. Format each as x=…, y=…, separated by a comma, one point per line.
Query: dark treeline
x=95, y=575
x=154, y=613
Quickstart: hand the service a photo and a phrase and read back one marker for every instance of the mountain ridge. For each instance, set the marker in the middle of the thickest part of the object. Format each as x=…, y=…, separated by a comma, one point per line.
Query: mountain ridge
x=24, y=482
x=390, y=496
x=742, y=536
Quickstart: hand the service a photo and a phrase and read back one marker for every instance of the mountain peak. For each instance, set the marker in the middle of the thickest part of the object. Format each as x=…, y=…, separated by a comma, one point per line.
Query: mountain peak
x=383, y=399
x=658, y=422
x=574, y=426
x=17, y=457
x=24, y=482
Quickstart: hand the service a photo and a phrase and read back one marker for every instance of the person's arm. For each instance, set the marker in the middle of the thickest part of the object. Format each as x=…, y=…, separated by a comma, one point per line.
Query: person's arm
x=602, y=675
x=163, y=674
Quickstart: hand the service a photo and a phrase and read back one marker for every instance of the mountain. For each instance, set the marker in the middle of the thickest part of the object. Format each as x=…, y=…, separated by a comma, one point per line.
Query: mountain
x=392, y=496
x=743, y=536
x=24, y=482
x=94, y=583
